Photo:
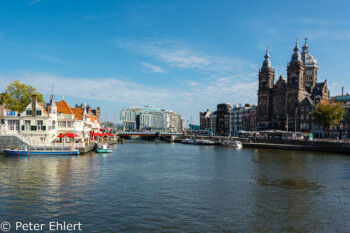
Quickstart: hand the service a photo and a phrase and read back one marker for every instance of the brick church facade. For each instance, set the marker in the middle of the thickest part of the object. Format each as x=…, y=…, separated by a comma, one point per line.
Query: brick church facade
x=288, y=103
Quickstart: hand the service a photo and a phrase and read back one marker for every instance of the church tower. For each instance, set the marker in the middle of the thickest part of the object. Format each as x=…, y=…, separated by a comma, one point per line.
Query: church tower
x=295, y=77
x=266, y=74
x=266, y=83
x=311, y=67
x=295, y=86
x=295, y=71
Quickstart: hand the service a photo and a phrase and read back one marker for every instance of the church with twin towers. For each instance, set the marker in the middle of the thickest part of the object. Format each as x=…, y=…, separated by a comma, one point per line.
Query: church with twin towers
x=287, y=103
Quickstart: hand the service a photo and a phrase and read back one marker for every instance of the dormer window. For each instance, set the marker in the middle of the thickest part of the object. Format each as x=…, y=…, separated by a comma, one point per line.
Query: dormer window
x=29, y=112
x=38, y=112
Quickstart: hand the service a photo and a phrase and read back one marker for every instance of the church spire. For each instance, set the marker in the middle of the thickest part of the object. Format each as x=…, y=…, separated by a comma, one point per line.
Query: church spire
x=52, y=98
x=305, y=47
x=267, y=62
x=296, y=55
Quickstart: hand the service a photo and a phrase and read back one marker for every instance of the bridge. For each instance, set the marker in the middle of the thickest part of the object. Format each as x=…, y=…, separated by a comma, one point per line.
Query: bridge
x=148, y=134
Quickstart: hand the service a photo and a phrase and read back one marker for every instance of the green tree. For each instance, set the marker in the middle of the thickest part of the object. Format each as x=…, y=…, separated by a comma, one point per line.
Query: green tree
x=327, y=114
x=18, y=95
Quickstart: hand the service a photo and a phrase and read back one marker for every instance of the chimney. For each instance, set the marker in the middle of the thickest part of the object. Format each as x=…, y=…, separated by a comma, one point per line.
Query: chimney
x=342, y=91
x=98, y=113
x=34, y=98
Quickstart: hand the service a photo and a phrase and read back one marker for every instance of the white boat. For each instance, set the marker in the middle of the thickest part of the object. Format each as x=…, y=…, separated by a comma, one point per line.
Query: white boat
x=198, y=141
x=187, y=141
x=231, y=143
x=204, y=142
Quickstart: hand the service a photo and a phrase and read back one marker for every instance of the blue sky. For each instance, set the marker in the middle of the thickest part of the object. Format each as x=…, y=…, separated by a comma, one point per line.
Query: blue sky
x=186, y=56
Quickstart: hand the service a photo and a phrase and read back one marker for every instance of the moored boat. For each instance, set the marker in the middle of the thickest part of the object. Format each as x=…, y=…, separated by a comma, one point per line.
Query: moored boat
x=23, y=150
x=103, y=148
x=187, y=141
x=198, y=141
x=231, y=143
x=204, y=142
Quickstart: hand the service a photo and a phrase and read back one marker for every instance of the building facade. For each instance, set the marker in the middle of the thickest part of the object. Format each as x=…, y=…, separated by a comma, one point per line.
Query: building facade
x=41, y=123
x=279, y=103
x=222, y=118
x=151, y=118
x=242, y=119
x=204, y=120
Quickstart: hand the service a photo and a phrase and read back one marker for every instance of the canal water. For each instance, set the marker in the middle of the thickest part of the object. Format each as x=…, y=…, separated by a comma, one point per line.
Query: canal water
x=163, y=187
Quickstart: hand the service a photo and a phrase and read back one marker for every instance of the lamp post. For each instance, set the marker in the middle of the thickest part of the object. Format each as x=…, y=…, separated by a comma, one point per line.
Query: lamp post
x=229, y=123
x=295, y=120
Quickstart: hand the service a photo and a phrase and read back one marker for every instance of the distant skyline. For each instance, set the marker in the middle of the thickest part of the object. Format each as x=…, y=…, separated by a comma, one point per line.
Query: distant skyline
x=185, y=56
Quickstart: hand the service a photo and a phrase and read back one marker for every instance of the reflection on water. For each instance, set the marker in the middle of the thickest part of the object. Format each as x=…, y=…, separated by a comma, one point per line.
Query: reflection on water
x=147, y=187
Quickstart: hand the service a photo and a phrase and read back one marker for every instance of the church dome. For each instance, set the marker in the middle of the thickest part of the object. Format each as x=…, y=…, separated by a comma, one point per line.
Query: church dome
x=267, y=62
x=307, y=58
x=296, y=55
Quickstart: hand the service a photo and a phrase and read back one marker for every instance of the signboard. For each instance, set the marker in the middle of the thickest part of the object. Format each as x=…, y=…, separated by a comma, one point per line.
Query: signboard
x=10, y=113
x=311, y=137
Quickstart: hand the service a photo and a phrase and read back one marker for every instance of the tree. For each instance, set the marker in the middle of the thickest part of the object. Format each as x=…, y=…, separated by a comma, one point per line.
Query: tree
x=18, y=95
x=327, y=114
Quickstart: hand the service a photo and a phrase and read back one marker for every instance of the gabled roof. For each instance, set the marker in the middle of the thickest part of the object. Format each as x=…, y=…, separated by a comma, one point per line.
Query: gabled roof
x=93, y=119
x=317, y=90
x=307, y=101
x=43, y=108
x=78, y=112
x=63, y=107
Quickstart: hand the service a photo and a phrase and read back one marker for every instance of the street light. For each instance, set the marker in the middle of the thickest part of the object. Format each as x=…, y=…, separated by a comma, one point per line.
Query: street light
x=295, y=120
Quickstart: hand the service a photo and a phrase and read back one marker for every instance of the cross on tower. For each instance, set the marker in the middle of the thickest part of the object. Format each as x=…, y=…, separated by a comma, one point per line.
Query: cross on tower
x=306, y=40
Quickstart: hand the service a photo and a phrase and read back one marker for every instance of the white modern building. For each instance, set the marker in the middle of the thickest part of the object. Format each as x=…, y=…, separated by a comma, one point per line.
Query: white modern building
x=151, y=118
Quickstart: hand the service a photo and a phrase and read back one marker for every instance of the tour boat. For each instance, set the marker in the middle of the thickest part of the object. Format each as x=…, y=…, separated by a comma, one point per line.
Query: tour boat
x=203, y=142
x=231, y=143
x=103, y=148
x=198, y=141
x=187, y=141
x=44, y=151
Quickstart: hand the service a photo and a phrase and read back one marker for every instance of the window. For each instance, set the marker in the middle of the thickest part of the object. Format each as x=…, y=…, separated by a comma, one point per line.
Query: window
x=53, y=124
x=70, y=124
x=62, y=124
x=38, y=112
x=27, y=125
x=29, y=112
x=40, y=125
x=13, y=124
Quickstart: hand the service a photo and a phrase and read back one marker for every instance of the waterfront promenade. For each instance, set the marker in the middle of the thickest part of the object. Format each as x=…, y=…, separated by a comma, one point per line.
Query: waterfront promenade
x=322, y=145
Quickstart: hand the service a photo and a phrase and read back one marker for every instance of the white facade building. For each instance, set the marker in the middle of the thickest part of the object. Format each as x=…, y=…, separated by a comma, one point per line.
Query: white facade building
x=41, y=124
x=151, y=118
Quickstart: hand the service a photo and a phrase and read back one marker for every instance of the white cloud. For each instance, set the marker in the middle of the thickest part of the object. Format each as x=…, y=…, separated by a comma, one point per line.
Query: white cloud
x=152, y=68
x=178, y=54
x=52, y=59
x=223, y=79
x=189, y=98
x=332, y=34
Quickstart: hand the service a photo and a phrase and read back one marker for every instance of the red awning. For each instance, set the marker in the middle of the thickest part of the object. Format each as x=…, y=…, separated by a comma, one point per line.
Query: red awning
x=111, y=134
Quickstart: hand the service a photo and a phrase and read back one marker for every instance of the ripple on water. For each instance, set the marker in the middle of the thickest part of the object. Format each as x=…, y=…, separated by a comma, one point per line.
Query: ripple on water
x=146, y=187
